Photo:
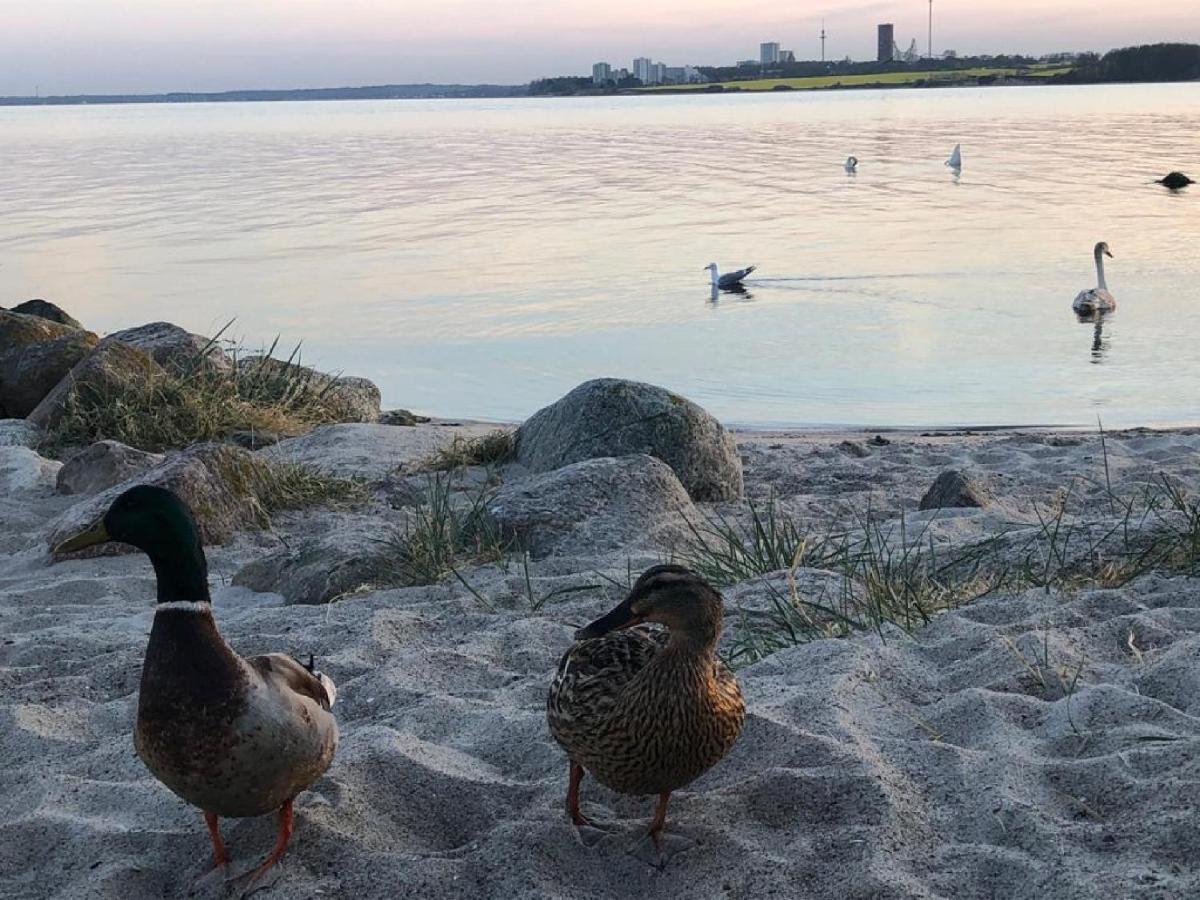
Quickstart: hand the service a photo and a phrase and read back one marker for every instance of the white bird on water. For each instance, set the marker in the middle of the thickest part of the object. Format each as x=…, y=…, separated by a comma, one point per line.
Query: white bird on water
x=1097, y=299
x=955, y=160
x=851, y=164
x=728, y=280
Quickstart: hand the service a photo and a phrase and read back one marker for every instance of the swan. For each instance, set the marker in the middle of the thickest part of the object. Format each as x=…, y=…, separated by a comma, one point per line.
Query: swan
x=955, y=160
x=852, y=164
x=1096, y=299
x=1176, y=181
x=729, y=280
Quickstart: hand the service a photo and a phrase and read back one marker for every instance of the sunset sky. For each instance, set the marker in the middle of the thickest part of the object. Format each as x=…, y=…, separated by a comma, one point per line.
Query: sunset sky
x=78, y=46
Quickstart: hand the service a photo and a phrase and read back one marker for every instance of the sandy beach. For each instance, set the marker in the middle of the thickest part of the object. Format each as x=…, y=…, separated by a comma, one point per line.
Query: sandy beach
x=1039, y=740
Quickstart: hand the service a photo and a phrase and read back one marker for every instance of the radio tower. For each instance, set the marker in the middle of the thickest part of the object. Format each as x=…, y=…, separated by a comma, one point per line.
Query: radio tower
x=931, y=29
x=823, y=38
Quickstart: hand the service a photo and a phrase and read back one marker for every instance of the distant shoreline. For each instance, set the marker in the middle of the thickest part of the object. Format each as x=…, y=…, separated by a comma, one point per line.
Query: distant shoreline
x=357, y=94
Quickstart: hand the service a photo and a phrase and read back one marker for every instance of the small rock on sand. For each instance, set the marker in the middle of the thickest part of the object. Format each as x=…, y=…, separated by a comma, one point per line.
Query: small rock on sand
x=101, y=465
x=954, y=490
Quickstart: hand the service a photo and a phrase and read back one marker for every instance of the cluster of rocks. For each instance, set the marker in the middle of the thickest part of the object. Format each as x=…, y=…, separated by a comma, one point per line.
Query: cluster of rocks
x=45, y=354
x=612, y=466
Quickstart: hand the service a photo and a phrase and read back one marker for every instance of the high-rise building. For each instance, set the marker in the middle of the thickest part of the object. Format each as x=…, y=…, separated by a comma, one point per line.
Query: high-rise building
x=658, y=73
x=641, y=69
x=601, y=73
x=787, y=56
x=768, y=54
x=887, y=42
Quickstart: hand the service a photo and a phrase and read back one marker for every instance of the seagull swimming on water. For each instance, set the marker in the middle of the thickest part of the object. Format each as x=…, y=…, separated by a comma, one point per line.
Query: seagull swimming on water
x=851, y=164
x=955, y=160
x=728, y=280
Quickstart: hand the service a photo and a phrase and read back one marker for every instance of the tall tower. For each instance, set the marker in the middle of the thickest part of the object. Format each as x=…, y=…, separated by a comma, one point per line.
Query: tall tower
x=931, y=29
x=823, y=38
x=887, y=43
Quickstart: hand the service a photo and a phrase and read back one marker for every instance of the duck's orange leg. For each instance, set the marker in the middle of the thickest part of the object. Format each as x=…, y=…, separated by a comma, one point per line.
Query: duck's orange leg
x=573, y=809
x=281, y=843
x=220, y=854
x=660, y=821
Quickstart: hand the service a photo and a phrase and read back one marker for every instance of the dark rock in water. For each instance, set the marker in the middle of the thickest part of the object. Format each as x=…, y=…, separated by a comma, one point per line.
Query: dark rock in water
x=112, y=367
x=597, y=505
x=401, y=417
x=1176, y=181
x=854, y=449
x=610, y=417
x=44, y=309
x=221, y=484
x=176, y=350
x=101, y=465
x=35, y=355
x=953, y=489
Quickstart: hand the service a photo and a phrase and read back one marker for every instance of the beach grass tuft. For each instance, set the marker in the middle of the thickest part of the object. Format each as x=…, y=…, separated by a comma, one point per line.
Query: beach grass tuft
x=881, y=573
x=444, y=534
x=169, y=410
x=494, y=448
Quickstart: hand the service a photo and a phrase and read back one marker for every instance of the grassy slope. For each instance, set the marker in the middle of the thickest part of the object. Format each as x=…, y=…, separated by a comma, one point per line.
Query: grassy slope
x=816, y=82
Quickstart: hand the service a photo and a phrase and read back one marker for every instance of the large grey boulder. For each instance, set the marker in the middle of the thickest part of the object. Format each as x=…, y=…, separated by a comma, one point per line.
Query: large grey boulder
x=954, y=490
x=595, y=506
x=109, y=369
x=18, y=433
x=175, y=349
x=44, y=309
x=369, y=451
x=101, y=465
x=321, y=567
x=223, y=485
x=35, y=355
x=612, y=417
x=23, y=469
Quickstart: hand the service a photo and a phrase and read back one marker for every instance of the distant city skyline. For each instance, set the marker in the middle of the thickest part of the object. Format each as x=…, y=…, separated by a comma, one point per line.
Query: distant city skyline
x=142, y=46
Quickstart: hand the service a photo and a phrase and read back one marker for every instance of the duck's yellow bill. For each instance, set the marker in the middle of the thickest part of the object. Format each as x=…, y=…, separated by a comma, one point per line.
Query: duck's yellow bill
x=94, y=534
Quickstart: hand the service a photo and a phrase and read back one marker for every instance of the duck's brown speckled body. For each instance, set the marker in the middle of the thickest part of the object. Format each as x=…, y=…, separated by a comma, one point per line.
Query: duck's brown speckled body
x=647, y=711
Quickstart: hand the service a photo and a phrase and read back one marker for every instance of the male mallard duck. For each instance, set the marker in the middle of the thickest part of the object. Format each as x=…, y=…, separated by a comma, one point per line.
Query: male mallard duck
x=235, y=737
x=647, y=711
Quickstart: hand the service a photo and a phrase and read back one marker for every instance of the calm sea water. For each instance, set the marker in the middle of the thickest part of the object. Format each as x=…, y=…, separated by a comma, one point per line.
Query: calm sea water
x=481, y=258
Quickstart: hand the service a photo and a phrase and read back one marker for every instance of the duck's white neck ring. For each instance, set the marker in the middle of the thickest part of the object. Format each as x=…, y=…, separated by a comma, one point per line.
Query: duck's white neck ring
x=184, y=606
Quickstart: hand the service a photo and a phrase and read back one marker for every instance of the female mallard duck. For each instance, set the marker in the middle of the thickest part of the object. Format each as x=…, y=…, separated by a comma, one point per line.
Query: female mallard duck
x=235, y=737
x=647, y=712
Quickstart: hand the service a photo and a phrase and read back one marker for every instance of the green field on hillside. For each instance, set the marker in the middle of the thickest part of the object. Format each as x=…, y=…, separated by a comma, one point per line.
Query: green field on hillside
x=817, y=82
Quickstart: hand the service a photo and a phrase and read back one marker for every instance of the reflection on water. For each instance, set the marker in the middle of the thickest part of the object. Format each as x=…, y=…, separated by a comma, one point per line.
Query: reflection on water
x=481, y=258
x=1100, y=343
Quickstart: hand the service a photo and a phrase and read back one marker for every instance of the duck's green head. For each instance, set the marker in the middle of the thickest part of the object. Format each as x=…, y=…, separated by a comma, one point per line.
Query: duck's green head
x=670, y=595
x=159, y=523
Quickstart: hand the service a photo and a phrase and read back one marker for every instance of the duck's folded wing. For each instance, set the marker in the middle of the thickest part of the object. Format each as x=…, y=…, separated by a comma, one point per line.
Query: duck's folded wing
x=286, y=672
x=592, y=674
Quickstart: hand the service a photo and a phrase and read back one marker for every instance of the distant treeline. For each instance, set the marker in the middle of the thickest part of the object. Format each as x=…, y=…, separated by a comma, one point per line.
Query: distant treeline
x=1149, y=62
x=373, y=92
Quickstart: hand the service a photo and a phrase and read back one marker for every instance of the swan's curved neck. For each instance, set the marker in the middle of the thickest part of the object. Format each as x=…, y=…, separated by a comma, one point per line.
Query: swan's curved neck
x=1100, y=270
x=715, y=275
